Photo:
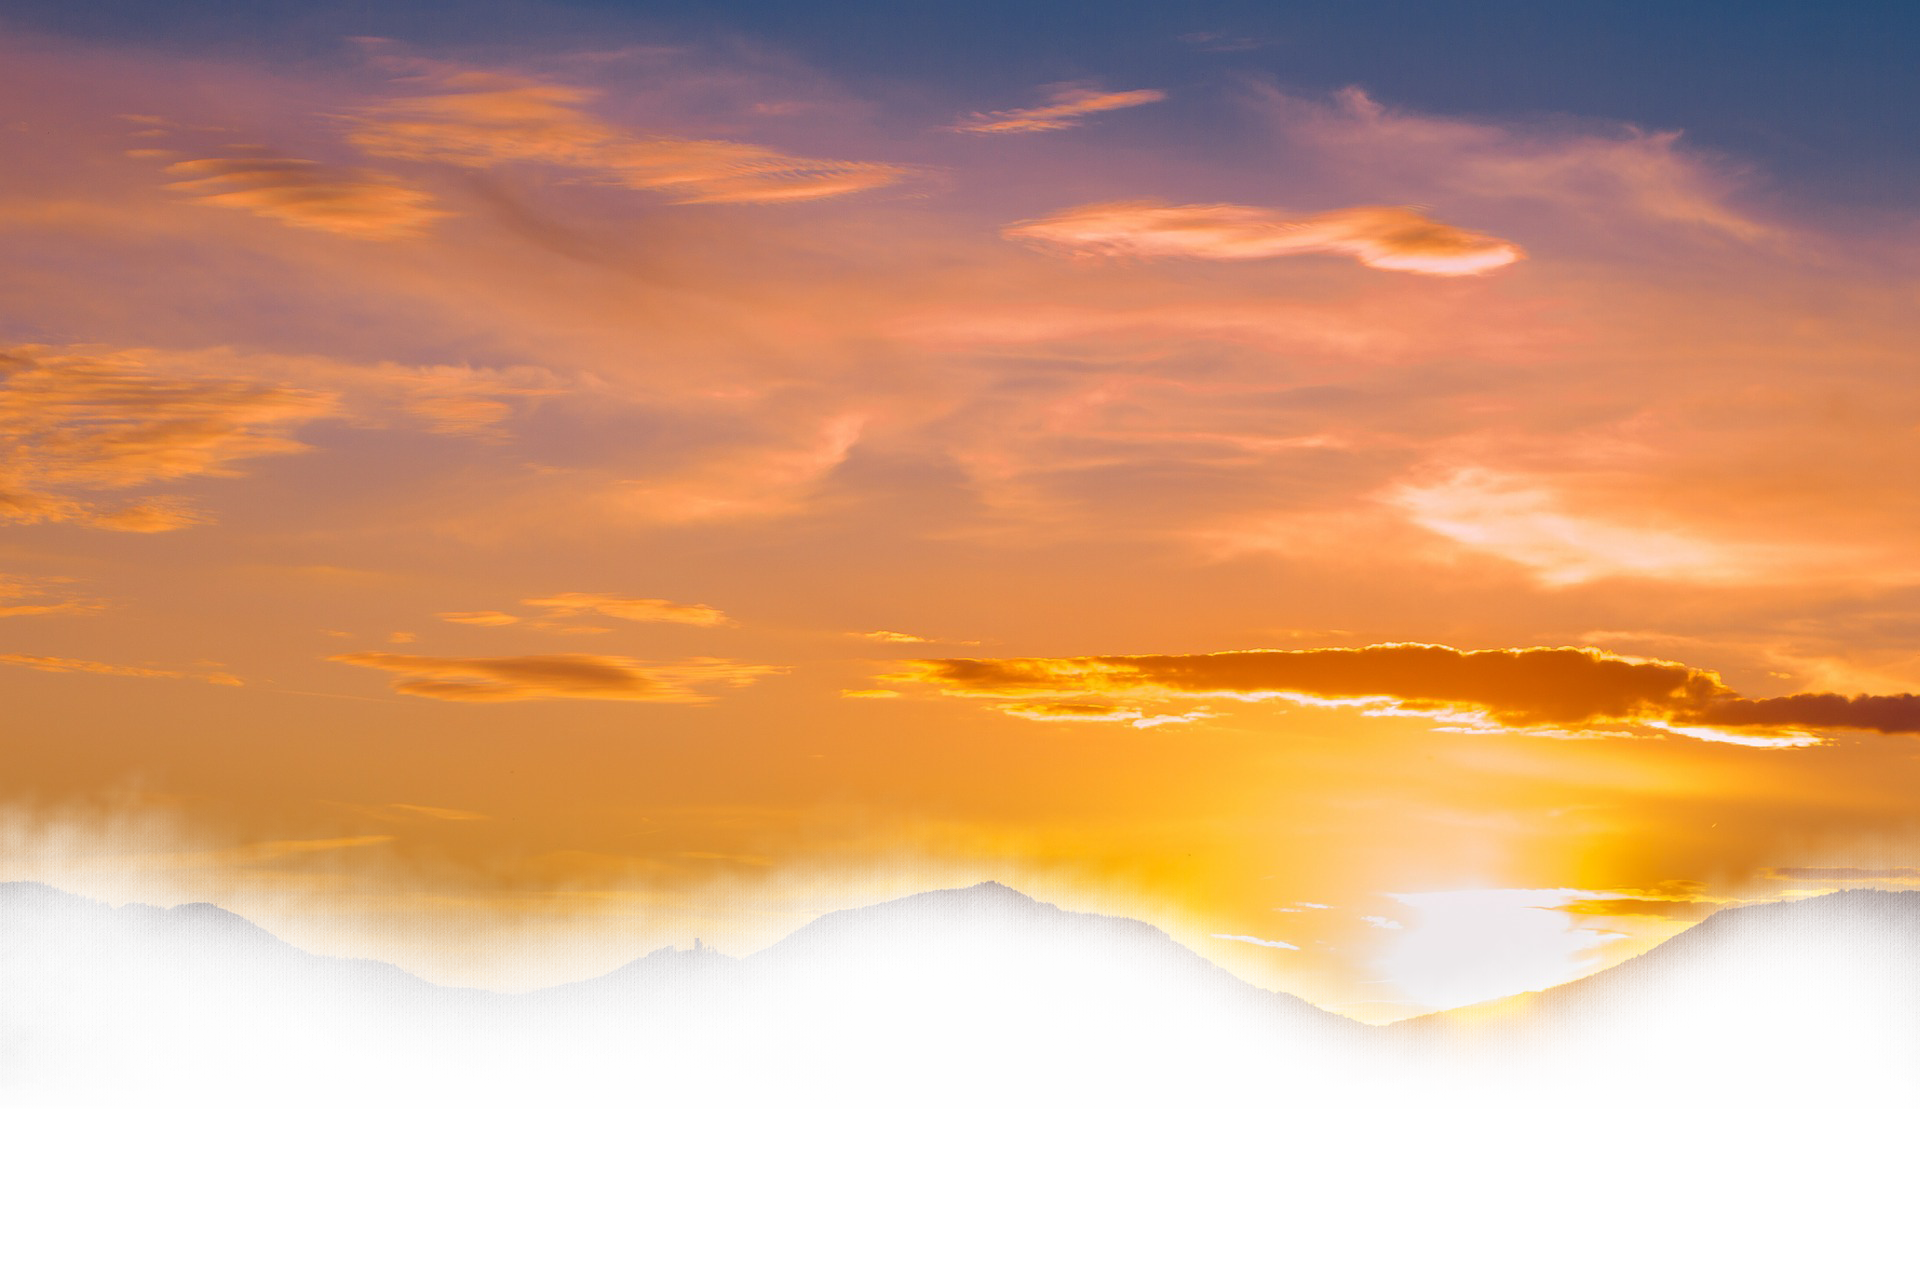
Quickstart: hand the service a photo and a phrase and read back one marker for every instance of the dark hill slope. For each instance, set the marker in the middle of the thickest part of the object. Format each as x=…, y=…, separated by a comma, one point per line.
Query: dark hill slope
x=1832, y=977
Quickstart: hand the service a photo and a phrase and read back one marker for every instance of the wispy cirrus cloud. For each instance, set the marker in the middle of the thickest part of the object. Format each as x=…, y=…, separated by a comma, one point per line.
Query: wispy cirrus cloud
x=88, y=666
x=628, y=608
x=271, y=855
x=756, y=481
x=1097, y=713
x=1838, y=875
x=1534, y=689
x=77, y=421
x=565, y=611
x=1258, y=942
x=885, y=636
x=1390, y=239
x=1527, y=523
x=1062, y=110
x=85, y=420
x=438, y=813
x=306, y=194
x=35, y=597
x=558, y=675
x=480, y=120
x=1618, y=174
x=1223, y=42
x=482, y=618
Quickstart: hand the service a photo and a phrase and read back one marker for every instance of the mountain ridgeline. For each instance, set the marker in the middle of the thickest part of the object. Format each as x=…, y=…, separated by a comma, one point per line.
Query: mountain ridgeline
x=962, y=997
x=959, y=958
x=1814, y=1000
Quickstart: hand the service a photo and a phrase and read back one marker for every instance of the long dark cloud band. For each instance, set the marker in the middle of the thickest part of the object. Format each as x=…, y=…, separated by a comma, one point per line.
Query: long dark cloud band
x=1535, y=688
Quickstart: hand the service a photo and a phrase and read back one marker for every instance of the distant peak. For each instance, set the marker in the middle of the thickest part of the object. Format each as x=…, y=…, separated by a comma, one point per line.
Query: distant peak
x=993, y=888
x=986, y=894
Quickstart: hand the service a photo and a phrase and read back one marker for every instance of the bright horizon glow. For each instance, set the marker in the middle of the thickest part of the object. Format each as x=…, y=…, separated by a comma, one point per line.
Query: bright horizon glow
x=1464, y=946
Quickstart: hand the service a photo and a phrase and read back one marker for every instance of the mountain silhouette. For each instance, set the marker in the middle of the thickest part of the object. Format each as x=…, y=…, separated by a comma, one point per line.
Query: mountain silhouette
x=152, y=1002
x=949, y=936
x=1764, y=1004
x=941, y=960
x=1809, y=1002
x=978, y=993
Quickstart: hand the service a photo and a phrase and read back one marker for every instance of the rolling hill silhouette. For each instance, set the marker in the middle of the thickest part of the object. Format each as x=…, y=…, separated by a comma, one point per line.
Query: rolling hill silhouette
x=979, y=993
x=974, y=996
x=163, y=1003
x=941, y=960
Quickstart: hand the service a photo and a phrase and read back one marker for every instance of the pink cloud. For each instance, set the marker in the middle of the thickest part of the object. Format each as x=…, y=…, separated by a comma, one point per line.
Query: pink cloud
x=1063, y=110
x=86, y=420
x=302, y=193
x=1386, y=238
x=1599, y=172
x=482, y=120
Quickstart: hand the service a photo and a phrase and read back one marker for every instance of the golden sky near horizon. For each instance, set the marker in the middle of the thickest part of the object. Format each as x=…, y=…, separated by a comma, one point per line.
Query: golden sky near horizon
x=592, y=499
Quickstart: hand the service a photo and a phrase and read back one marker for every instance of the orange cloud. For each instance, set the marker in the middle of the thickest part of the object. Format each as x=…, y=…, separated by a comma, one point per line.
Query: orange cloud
x=561, y=610
x=557, y=675
x=1391, y=239
x=1096, y=713
x=630, y=608
x=87, y=419
x=1062, y=111
x=456, y=400
x=436, y=812
x=81, y=419
x=1877, y=713
x=1530, y=689
x=1839, y=874
x=1640, y=908
x=302, y=193
x=483, y=618
x=1522, y=686
x=1090, y=711
x=488, y=120
x=24, y=597
x=68, y=666
x=263, y=855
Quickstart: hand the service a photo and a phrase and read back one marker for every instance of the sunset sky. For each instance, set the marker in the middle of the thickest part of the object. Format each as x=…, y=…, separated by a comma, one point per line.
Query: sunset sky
x=1415, y=500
